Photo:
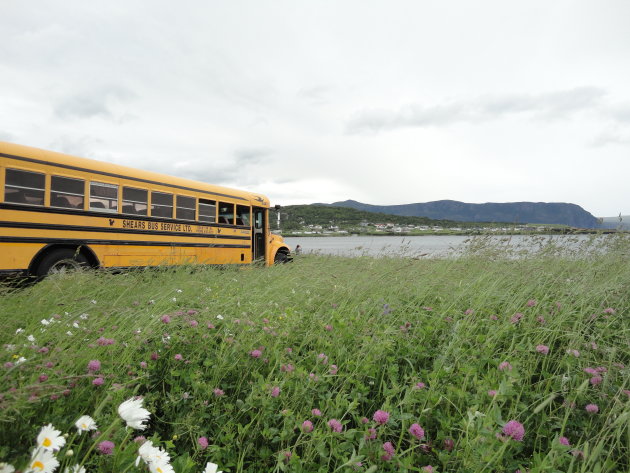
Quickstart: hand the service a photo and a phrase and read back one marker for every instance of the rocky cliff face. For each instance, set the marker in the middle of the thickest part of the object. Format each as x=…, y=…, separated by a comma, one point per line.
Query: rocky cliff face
x=511, y=212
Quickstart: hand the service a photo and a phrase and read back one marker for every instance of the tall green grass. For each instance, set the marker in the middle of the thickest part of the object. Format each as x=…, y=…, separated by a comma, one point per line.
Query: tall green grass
x=386, y=323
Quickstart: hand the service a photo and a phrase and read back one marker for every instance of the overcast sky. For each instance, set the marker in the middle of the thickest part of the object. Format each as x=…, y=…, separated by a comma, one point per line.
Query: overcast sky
x=385, y=102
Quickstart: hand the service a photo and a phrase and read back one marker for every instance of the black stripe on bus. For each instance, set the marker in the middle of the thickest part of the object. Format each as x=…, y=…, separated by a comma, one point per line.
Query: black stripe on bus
x=118, y=176
x=82, y=228
x=70, y=241
x=92, y=213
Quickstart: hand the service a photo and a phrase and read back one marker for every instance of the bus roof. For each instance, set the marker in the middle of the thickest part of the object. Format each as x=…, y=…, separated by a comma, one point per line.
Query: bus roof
x=41, y=156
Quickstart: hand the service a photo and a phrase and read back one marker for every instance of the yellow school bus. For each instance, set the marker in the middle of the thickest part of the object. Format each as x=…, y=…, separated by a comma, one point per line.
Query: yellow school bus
x=60, y=212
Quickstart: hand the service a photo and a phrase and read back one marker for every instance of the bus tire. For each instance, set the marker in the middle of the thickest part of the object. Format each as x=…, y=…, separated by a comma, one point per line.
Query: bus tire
x=281, y=258
x=61, y=260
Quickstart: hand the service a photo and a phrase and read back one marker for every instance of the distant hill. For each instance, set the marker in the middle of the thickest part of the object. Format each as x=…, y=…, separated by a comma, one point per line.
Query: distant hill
x=295, y=216
x=513, y=212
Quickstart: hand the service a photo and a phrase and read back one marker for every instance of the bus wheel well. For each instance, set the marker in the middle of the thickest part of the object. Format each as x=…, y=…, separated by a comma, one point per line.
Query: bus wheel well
x=283, y=255
x=83, y=250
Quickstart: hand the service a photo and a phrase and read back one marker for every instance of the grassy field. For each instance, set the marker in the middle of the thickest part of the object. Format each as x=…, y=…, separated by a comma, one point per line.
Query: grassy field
x=479, y=363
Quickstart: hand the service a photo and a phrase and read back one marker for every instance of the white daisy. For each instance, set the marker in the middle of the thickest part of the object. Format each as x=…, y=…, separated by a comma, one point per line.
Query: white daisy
x=134, y=414
x=161, y=467
x=43, y=461
x=211, y=468
x=45, y=322
x=75, y=469
x=6, y=468
x=84, y=424
x=31, y=338
x=50, y=439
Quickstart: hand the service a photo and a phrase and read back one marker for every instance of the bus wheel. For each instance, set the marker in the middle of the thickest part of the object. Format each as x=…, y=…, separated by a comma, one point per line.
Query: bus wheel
x=62, y=260
x=281, y=258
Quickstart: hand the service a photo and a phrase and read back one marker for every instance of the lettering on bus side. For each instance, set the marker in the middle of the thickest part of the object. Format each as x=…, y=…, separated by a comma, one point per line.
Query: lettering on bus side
x=166, y=226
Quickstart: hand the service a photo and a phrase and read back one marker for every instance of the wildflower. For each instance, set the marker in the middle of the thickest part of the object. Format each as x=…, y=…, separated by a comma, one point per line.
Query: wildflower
x=592, y=408
x=275, y=391
x=143, y=364
x=210, y=326
x=428, y=469
x=313, y=377
x=288, y=368
x=420, y=385
x=203, y=442
x=106, y=447
x=134, y=414
x=448, y=444
x=218, y=392
x=416, y=431
x=381, y=417
x=544, y=349
x=140, y=439
x=364, y=420
x=591, y=371
x=564, y=441
x=220, y=317
x=193, y=323
x=609, y=310
x=255, y=353
x=323, y=358
x=469, y=312
x=335, y=425
x=31, y=338
x=596, y=380
x=333, y=369
x=94, y=366
x=515, y=430
x=516, y=318
x=577, y=454
x=289, y=350
x=316, y=412
x=531, y=303
x=492, y=393
x=494, y=317
x=42, y=378
x=43, y=461
x=166, y=319
x=389, y=451
x=85, y=424
x=75, y=469
x=307, y=426
x=154, y=356
x=541, y=320
x=503, y=366
x=371, y=434
x=211, y=468
x=328, y=327
x=50, y=439
x=98, y=381
x=575, y=353
x=8, y=364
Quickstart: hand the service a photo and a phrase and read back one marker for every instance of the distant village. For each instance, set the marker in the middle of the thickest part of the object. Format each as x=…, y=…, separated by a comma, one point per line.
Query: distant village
x=391, y=228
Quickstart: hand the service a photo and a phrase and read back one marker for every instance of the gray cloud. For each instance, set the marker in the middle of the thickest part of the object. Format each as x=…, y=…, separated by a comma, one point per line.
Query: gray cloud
x=246, y=156
x=610, y=138
x=551, y=105
x=93, y=103
x=317, y=95
x=5, y=136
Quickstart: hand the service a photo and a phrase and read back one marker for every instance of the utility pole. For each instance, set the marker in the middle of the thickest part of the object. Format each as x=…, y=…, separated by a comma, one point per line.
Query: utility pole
x=277, y=207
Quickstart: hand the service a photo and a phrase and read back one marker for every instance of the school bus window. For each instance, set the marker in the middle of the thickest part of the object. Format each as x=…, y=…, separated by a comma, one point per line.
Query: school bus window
x=226, y=213
x=207, y=210
x=185, y=207
x=24, y=187
x=242, y=215
x=67, y=192
x=135, y=201
x=103, y=197
x=161, y=204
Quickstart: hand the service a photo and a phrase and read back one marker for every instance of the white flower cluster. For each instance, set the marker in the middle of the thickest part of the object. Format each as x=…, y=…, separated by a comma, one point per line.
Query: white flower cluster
x=51, y=440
